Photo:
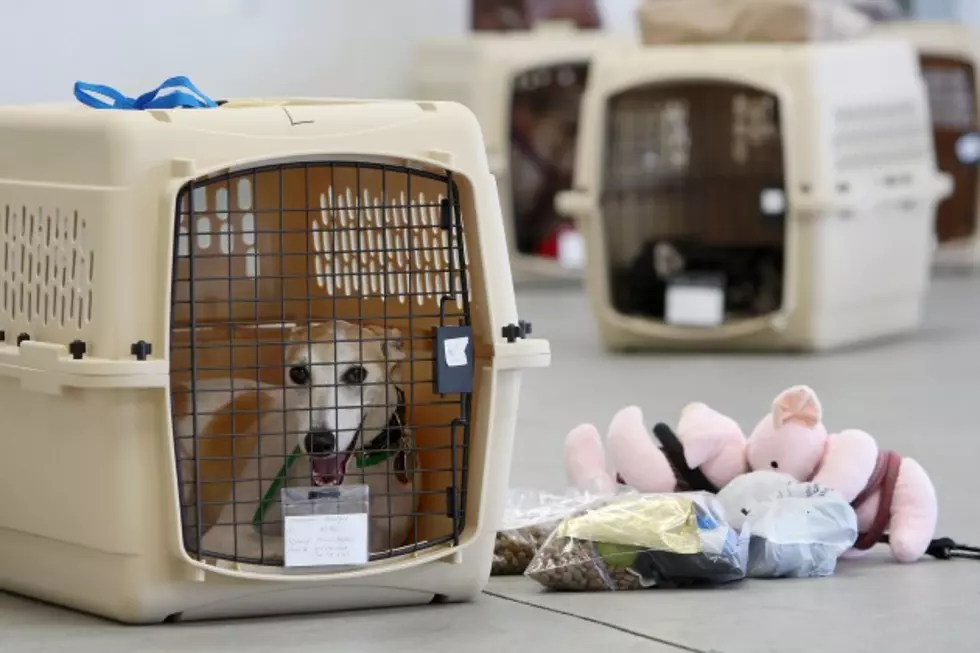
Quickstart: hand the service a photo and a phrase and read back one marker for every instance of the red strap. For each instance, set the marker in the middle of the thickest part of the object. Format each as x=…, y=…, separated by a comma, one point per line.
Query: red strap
x=884, y=477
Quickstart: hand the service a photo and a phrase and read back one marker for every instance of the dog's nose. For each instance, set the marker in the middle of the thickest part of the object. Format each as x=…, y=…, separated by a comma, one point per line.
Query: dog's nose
x=320, y=441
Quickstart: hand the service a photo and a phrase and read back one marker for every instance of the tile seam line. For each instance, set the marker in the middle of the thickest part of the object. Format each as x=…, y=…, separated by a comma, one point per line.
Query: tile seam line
x=597, y=622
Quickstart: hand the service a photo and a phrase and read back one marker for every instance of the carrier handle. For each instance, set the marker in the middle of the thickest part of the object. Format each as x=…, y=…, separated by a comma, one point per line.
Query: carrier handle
x=574, y=204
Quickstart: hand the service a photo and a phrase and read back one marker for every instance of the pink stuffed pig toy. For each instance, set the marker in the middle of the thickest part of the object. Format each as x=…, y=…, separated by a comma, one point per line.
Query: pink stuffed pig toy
x=890, y=494
x=709, y=442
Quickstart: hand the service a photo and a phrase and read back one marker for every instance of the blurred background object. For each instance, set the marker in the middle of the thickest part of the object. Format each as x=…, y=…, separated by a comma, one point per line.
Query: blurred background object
x=506, y=15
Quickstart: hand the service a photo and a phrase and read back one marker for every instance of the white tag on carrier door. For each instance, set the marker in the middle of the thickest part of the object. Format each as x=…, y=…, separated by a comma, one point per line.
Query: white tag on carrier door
x=695, y=303
x=326, y=540
x=325, y=526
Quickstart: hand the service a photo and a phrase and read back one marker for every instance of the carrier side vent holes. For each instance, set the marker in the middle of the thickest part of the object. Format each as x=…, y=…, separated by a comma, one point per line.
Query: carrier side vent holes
x=227, y=236
x=388, y=253
x=47, y=267
x=393, y=247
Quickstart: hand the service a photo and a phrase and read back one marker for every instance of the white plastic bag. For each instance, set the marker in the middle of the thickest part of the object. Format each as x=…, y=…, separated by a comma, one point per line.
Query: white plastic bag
x=788, y=529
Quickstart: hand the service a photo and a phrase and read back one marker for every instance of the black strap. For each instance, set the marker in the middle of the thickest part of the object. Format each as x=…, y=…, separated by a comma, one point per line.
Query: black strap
x=674, y=452
x=945, y=548
x=391, y=435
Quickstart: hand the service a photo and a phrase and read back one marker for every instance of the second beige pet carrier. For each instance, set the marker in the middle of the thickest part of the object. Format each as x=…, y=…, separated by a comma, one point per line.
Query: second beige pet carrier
x=753, y=196
x=256, y=359
x=948, y=56
x=525, y=89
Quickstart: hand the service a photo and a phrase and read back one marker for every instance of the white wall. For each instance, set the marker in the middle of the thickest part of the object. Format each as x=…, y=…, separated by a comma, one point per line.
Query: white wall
x=227, y=47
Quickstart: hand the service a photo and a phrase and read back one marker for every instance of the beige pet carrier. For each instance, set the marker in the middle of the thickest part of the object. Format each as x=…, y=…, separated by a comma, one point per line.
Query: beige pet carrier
x=220, y=325
x=755, y=196
x=525, y=88
x=948, y=55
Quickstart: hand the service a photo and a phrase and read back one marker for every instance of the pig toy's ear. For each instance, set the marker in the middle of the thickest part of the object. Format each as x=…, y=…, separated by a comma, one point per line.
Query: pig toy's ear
x=797, y=405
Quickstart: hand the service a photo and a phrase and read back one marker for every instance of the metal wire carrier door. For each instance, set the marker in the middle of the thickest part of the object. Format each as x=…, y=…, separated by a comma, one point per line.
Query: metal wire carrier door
x=319, y=333
x=694, y=169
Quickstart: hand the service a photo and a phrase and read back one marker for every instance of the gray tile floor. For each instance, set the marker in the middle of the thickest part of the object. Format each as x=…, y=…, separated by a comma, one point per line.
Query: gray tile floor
x=916, y=395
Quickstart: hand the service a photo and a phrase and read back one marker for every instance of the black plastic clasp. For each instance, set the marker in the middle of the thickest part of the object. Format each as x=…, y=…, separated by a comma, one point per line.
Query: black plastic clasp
x=141, y=350
x=446, y=214
x=453, y=360
x=512, y=332
x=77, y=349
x=452, y=502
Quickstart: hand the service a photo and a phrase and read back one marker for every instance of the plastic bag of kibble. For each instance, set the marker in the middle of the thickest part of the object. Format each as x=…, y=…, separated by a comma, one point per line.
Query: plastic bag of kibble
x=640, y=541
x=530, y=516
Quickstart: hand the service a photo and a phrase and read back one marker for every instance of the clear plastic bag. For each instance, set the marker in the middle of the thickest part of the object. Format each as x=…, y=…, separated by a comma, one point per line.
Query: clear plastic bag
x=530, y=516
x=639, y=541
x=801, y=532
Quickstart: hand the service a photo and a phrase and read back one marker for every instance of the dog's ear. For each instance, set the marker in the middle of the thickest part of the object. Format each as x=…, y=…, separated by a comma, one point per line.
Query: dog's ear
x=394, y=346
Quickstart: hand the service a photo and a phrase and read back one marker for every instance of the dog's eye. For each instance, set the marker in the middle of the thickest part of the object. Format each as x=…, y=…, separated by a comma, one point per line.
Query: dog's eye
x=354, y=375
x=300, y=375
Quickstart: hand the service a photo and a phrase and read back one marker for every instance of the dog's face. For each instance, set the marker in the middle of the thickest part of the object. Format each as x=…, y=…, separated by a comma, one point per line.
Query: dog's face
x=340, y=383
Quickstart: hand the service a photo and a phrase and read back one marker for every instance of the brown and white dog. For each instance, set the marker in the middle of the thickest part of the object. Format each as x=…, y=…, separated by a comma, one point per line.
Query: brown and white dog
x=338, y=419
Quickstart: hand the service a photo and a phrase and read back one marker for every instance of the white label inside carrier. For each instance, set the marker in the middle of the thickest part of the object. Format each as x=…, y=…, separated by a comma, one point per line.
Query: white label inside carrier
x=695, y=305
x=571, y=249
x=326, y=540
x=968, y=148
x=455, y=350
x=772, y=201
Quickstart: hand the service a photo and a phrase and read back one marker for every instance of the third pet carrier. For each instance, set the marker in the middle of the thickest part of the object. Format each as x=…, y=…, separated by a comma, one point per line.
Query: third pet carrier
x=260, y=358
x=752, y=196
x=525, y=88
x=948, y=56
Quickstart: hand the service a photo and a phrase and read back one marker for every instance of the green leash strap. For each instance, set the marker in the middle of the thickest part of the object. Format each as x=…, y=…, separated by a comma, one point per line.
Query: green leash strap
x=270, y=496
x=364, y=460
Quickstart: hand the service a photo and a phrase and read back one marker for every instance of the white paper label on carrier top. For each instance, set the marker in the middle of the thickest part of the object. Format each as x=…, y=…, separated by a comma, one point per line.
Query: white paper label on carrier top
x=571, y=249
x=455, y=350
x=326, y=540
x=695, y=305
x=968, y=148
x=772, y=201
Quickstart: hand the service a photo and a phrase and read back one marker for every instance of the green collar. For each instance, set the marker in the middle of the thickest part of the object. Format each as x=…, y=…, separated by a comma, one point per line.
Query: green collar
x=361, y=460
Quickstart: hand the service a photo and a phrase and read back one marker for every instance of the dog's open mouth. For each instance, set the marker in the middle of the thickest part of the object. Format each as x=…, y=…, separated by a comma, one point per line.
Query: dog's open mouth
x=328, y=470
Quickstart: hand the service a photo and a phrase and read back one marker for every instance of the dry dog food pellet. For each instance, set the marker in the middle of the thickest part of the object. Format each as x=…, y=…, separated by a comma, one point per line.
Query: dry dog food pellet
x=574, y=565
x=514, y=549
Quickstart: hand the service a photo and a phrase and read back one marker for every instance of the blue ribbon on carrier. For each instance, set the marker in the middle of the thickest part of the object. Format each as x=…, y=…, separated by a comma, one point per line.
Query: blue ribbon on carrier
x=183, y=95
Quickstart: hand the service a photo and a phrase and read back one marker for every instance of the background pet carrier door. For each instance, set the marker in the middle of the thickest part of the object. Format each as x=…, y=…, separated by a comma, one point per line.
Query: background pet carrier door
x=525, y=88
x=694, y=202
x=948, y=55
x=734, y=196
x=267, y=307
